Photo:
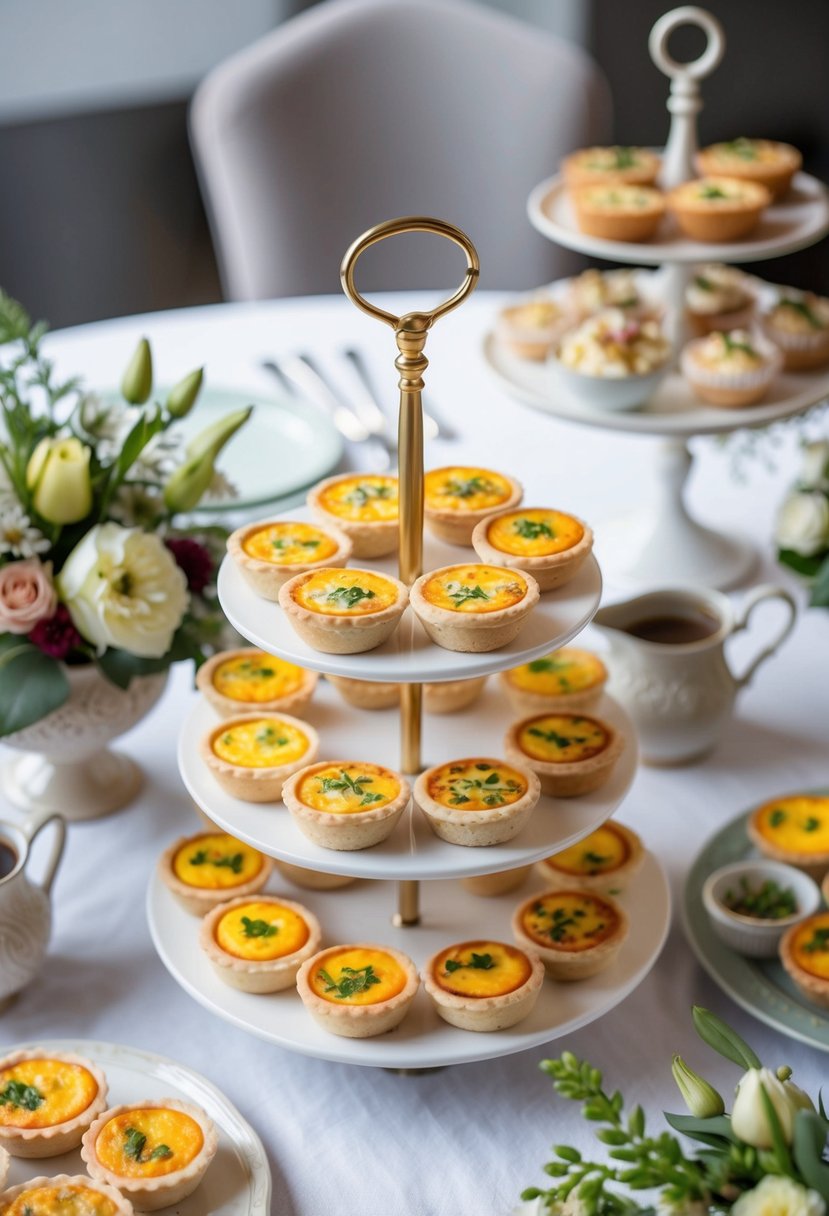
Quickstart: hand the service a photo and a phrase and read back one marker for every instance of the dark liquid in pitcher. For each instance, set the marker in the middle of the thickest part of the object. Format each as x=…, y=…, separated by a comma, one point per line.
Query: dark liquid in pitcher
x=8, y=859
x=674, y=630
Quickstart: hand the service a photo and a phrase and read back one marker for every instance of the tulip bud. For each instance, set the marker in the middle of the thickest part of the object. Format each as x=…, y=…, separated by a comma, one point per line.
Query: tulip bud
x=137, y=383
x=699, y=1096
x=58, y=476
x=183, y=395
x=749, y=1120
x=190, y=480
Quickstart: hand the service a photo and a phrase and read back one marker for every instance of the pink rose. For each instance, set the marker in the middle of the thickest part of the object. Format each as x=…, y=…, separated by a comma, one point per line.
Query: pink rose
x=26, y=595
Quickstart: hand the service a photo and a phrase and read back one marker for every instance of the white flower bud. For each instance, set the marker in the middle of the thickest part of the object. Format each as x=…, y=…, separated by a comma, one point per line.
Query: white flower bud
x=749, y=1120
x=803, y=523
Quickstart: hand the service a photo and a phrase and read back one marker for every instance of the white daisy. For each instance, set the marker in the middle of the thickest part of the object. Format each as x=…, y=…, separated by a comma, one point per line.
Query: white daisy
x=18, y=536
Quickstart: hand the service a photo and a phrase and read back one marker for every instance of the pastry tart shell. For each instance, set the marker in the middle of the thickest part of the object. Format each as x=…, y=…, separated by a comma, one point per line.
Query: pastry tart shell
x=200, y=900
x=570, y=966
x=251, y=975
x=551, y=571
x=611, y=882
x=816, y=865
x=5, y=1166
x=255, y=784
x=492, y=825
x=450, y=696
x=358, y=1021
x=347, y=832
x=490, y=886
x=292, y=703
x=723, y=224
x=470, y=632
x=456, y=527
x=150, y=1194
x=813, y=987
x=573, y=778
x=368, y=538
x=624, y=225
x=526, y=702
x=59, y=1137
x=445, y=698
x=366, y=694
x=123, y=1207
x=312, y=880
x=775, y=175
x=265, y=578
x=486, y=1013
x=341, y=634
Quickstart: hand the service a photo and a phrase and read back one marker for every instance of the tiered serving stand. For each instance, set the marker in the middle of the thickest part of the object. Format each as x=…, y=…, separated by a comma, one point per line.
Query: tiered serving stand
x=662, y=544
x=412, y=854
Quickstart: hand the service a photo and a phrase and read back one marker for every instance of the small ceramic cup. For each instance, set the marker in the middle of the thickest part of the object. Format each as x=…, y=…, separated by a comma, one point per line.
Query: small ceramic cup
x=749, y=935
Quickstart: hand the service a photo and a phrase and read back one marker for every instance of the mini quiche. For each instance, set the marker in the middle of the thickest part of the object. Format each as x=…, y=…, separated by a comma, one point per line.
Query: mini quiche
x=205, y=870
x=804, y=952
x=235, y=680
x=358, y=991
x=767, y=161
x=572, y=754
x=64, y=1195
x=797, y=322
x=794, y=829
x=731, y=369
x=47, y=1101
x=344, y=611
x=155, y=1153
x=346, y=804
x=618, y=212
x=458, y=497
x=268, y=554
x=568, y=679
x=718, y=208
x=532, y=327
x=547, y=544
x=312, y=880
x=477, y=802
x=445, y=698
x=489, y=886
x=473, y=608
x=258, y=944
x=576, y=933
x=605, y=862
x=618, y=163
x=483, y=985
x=251, y=755
x=363, y=506
x=5, y=1165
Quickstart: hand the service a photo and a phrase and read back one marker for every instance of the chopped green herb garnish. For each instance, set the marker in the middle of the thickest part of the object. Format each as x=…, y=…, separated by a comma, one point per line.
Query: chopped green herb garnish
x=478, y=962
x=467, y=487
x=731, y=347
x=819, y=941
x=348, y=596
x=234, y=862
x=467, y=593
x=769, y=901
x=530, y=529
x=363, y=494
x=777, y=817
x=134, y=1144
x=548, y=664
x=269, y=737
x=742, y=147
x=712, y=192
x=26, y=1097
x=258, y=928
x=811, y=825
x=803, y=310
x=354, y=980
x=345, y=784
x=595, y=859
x=703, y=284
x=490, y=790
x=552, y=736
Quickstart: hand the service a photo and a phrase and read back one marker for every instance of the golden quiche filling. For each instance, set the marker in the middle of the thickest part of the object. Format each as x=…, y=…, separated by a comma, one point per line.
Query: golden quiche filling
x=621, y=198
x=364, y=498
x=601, y=852
x=358, y=975
x=256, y=677
x=463, y=488
x=345, y=789
x=798, y=824
x=261, y=743
x=261, y=930
x=44, y=1092
x=215, y=861
x=567, y=670
x=289, y=544
x=475, y=588
x=562, y=738
x=476, y=785
x=534, y=533
x=569, y=920
x=810, y=946
x=148, y=1143
x=338, y=592
x=61, y=1201
x=481, y=969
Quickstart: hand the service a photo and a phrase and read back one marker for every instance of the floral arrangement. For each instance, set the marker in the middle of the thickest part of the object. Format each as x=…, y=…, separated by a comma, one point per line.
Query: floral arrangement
x=767, y=1158
x=95, y=565
x=802, y=530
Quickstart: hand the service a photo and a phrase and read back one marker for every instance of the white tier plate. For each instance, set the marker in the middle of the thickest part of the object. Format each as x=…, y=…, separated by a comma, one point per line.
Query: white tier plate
x=409, y=656
x=412, y=850
x=238, y=1182
x=450, y=914
x=798, y=220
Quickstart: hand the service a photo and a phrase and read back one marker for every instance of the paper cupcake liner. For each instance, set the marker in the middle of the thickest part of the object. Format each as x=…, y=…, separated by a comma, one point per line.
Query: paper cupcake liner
x=754, y=380
x=806, y=342
x=508, y=331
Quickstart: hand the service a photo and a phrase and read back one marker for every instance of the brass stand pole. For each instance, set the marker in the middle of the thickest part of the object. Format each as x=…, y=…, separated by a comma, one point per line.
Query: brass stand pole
x=408, y=904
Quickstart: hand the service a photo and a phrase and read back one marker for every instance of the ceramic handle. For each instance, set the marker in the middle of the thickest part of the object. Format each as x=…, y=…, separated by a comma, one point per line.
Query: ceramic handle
x=33, y=827
x=758, y=596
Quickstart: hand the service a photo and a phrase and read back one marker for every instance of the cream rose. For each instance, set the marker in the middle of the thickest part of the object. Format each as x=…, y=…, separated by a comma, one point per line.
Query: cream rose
x=26, y=595
x=803, y=523
x=778, y=1196
x=123, y=589
x=749, y=1121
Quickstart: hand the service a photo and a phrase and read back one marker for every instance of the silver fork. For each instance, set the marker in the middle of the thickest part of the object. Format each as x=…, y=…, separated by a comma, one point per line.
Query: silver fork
x=432, y=428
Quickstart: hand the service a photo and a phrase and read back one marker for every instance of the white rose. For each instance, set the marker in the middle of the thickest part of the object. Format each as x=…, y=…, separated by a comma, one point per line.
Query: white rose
x=778, y=1196
x=803, y=523
x=123, y=589
x=748, y=1118
x=814, y=474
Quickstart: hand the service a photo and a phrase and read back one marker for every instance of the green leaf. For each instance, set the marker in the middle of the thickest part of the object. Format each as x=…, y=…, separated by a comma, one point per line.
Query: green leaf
x=807, y=566
x=820, y=590
x=15, y=322
x=121, y=668
x=636, y=1122
x=31, y=684
x=715, y=1131
x=725, y=1041
x=147, y=426
x=807, y=1148
x=781, y=1149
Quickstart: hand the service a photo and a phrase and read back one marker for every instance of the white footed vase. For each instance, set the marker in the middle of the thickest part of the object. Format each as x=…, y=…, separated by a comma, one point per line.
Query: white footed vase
x=66, y=765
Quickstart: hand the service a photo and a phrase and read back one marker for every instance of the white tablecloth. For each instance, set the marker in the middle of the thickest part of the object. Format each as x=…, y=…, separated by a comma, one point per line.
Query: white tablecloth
x=465, y=1141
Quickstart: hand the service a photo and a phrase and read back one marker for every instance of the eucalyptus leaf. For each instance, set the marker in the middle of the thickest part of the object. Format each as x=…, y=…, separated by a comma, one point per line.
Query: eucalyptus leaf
x=807, y=566
x=31, y=684
x=807, y=1148
x=725, y=1041
x=121, y=668
x=715, y=1131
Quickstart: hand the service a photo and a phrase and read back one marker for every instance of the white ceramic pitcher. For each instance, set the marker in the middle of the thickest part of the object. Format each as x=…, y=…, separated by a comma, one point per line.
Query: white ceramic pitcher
x=679, y=695
x=25, y=908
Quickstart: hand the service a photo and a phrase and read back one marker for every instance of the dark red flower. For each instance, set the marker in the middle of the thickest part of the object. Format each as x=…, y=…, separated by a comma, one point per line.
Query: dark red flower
x=56, y=637
x=194, y=560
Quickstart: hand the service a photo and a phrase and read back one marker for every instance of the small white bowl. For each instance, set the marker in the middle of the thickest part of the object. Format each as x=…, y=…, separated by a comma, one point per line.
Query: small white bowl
x=747, y=934
x=613, y=394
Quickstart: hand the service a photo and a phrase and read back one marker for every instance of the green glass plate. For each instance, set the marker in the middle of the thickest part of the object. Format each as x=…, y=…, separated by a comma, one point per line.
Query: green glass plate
x=761, y=986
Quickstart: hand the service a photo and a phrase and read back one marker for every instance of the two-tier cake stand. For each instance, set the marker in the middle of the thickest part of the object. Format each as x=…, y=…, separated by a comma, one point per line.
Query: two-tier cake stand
x=662, y=544
x=412, y=855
